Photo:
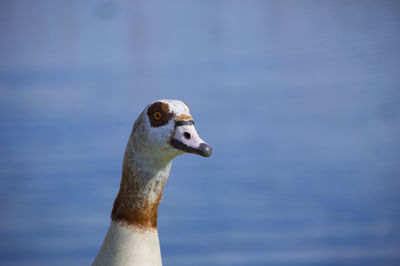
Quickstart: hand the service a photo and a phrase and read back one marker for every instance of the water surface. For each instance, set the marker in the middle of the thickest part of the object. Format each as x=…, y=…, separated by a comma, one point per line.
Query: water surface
x=300, y=102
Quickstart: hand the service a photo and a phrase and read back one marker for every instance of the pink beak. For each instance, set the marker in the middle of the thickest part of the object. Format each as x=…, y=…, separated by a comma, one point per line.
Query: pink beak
x=186, y=139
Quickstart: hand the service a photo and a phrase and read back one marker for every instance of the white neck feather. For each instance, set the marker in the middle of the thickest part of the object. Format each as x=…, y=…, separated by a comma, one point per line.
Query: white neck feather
x=129, y=245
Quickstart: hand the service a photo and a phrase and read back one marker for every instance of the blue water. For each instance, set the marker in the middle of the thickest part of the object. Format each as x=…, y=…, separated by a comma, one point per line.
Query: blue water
x=299, y=99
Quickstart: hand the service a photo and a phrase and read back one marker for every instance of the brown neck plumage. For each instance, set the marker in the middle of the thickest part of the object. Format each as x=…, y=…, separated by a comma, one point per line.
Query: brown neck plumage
x=138, y=199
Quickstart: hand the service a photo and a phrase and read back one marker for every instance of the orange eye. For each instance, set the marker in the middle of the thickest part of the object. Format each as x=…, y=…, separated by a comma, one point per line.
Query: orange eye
x=157, y=115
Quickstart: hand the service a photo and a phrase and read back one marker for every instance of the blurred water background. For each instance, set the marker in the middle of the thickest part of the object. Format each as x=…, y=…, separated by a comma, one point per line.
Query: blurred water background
x=299, y=99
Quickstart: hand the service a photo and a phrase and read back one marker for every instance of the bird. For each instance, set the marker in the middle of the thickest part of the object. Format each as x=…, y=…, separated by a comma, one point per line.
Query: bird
x=164, y=130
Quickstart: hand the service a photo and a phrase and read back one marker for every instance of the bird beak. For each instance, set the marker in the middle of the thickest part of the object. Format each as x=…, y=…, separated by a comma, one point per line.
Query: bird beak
x=185, y=138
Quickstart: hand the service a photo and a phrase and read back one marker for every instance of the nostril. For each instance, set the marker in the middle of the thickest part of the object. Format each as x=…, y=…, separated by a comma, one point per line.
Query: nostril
x=186, y=135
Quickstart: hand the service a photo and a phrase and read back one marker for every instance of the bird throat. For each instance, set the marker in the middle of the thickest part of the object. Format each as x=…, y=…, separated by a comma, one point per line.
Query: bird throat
x=139, y=195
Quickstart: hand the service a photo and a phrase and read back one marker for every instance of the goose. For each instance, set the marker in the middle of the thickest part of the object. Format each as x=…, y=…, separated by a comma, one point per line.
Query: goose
x=164, y=130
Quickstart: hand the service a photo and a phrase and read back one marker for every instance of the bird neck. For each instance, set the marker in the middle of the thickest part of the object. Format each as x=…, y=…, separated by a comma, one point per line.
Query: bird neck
x=132, y=238
x=140, y=191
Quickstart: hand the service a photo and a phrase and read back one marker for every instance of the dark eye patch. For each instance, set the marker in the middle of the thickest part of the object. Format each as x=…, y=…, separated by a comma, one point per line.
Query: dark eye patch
x=163, y=108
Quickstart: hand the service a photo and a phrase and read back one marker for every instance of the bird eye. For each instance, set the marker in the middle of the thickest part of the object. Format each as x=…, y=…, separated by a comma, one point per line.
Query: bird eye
x=157, y=115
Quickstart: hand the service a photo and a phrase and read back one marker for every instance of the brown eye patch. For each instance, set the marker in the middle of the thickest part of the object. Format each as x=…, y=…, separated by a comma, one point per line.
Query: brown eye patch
x=159, y=114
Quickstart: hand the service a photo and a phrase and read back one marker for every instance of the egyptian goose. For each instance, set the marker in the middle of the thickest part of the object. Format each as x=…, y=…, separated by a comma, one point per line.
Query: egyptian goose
x=164, y=130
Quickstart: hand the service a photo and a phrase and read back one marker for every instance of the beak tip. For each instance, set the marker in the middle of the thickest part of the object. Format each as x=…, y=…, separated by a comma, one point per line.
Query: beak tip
x=205, y=150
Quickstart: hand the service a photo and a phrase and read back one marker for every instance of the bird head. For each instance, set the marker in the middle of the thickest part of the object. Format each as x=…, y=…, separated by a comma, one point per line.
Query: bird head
x=165, y=128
